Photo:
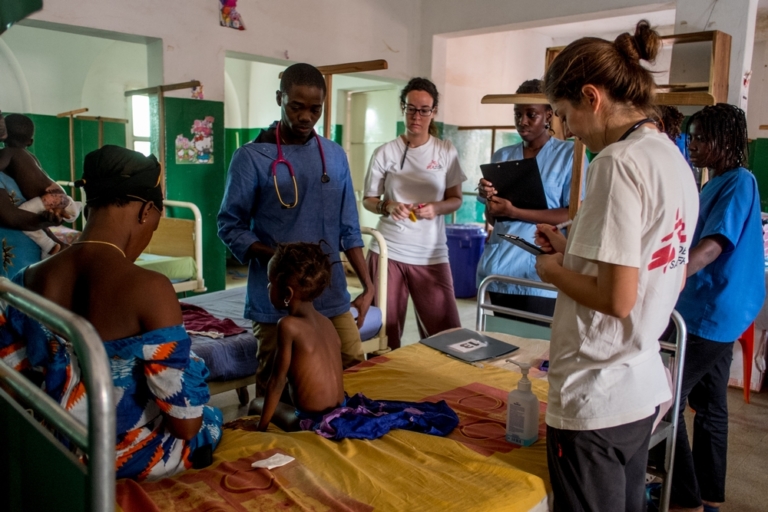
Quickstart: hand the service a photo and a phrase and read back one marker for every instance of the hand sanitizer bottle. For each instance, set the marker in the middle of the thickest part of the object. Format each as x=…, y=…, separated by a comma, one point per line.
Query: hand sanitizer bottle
x=522, y=411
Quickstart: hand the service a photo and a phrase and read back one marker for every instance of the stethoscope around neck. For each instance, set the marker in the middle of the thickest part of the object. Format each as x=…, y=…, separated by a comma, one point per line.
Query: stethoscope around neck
x=281, y=160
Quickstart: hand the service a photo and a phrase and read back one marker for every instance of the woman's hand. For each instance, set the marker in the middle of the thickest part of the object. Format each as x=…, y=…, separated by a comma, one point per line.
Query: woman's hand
x=548, y=264
x=550, y=239
x=399, y=211
x=500, y=207
x=425, y=211
x=485, y=189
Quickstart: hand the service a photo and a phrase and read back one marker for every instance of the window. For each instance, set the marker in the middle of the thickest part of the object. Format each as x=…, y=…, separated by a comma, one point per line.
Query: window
x=141, y=125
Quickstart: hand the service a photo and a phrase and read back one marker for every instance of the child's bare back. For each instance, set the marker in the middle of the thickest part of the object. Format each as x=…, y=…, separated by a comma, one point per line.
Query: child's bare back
x=308, y=356
x=315, y=372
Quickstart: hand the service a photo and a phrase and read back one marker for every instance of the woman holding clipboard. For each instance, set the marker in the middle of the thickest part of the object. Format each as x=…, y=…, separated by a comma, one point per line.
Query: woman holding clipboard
x=619, y=274
x=554, y=159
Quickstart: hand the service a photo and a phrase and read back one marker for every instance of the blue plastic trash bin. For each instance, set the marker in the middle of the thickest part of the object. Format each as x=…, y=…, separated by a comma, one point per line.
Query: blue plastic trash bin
x=465, y=246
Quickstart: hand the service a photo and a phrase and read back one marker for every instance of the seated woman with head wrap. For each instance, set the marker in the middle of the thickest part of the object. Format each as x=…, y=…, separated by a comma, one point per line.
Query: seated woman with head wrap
x=163, y=426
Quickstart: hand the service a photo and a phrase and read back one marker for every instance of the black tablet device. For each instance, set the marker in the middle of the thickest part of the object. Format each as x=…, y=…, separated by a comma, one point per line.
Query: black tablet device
x=523, y=244
x=518, y=181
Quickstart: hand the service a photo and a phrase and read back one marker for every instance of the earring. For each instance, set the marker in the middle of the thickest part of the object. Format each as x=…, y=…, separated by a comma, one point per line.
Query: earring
x=287, y=301
x=547, y=125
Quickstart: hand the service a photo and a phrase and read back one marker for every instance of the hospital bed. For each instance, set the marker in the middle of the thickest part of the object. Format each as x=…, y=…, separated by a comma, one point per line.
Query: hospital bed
x=176, y=248
x=662, y=443
x=472, y=469
x=232, y=360
x=36, y=471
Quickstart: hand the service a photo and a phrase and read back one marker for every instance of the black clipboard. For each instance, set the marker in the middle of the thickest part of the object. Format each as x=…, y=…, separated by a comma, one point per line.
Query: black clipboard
x=518, y=181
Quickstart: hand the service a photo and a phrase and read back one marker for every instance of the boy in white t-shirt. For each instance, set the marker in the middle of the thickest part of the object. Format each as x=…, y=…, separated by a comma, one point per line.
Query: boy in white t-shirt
x=619, y=275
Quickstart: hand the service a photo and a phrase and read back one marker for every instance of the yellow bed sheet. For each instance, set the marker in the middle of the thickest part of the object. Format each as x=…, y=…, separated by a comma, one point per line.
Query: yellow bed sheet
x=473, y=469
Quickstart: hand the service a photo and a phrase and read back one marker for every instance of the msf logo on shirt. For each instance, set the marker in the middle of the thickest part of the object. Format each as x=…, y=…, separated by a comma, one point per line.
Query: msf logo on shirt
x=434, y=165
x=667, y=256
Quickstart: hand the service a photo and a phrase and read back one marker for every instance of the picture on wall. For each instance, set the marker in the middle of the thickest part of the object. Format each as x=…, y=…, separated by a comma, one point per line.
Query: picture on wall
x=228, y=15
x=198, y=150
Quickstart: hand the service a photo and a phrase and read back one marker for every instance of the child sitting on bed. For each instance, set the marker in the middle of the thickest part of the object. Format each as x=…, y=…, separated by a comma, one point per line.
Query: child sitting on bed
x=46, y=196
x=308, y=348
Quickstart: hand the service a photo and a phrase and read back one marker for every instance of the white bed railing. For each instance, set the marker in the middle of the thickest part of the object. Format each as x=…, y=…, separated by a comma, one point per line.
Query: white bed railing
x=98, y=441
x=484, y=307
x=378, y=344
x=198, y=284
x=193, y=285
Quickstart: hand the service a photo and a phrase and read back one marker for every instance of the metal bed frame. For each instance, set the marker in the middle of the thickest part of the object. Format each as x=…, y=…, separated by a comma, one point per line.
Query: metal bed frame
x=32, y=485
x=662, y=443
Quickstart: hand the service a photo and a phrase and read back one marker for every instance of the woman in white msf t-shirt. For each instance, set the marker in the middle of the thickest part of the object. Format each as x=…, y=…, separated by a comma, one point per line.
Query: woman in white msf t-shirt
x=412, y=182
x=619, y=274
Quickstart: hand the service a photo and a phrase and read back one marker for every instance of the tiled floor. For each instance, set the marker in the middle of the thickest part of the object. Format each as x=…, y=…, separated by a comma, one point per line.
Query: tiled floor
x=747, y=477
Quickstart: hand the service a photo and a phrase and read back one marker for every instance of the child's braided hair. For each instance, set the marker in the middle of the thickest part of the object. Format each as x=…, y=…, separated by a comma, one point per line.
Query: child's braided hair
x=304, y=265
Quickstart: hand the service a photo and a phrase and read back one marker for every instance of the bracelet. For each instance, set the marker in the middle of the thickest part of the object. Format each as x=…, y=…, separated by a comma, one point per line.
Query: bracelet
x=381, y=208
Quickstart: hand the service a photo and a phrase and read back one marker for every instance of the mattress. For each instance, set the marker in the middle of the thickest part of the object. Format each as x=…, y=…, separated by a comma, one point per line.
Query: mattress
x=175, y=268
x=472, y=469
x=231, y=357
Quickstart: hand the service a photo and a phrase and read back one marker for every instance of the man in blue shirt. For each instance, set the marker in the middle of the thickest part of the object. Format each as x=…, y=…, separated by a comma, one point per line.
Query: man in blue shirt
x=291, y=185
x=724, y=293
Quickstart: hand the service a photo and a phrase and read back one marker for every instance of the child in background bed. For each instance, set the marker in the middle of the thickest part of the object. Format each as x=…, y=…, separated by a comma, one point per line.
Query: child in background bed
x=34, y=183
x=308, y=347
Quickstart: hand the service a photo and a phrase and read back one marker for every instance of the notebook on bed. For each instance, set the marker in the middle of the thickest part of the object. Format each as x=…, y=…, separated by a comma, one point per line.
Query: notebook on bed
x=469, y=346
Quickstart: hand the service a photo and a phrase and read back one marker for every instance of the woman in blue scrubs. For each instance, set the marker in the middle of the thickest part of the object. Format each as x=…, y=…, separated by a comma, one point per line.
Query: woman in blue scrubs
x=555, y=160
x=724, y=292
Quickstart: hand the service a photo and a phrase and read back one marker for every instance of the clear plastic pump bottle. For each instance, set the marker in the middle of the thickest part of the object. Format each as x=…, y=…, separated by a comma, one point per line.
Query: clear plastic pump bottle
x=522, y=411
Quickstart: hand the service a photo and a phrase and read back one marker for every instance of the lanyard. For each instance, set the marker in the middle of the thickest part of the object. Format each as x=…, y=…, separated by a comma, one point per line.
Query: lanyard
x=635, y=127
x=281, y=160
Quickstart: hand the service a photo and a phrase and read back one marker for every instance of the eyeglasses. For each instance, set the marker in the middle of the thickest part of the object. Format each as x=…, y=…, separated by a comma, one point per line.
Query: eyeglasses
x=423, y=112
x=153, y=205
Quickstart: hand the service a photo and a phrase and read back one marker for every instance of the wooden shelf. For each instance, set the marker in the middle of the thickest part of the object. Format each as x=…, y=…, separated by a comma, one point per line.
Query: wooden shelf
x=489, y=127
x=506, y=99
x=685, y=99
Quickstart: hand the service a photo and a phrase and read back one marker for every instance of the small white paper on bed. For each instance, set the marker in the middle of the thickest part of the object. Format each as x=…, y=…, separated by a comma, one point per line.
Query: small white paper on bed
x=274, y=461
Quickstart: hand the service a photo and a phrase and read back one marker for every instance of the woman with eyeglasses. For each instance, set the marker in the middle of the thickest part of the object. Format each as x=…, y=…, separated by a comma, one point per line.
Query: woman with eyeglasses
x=412, y=182
x=554, y=158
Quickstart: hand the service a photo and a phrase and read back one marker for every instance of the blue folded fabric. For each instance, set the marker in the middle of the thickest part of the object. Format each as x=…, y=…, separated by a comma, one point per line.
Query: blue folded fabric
x=363, y=418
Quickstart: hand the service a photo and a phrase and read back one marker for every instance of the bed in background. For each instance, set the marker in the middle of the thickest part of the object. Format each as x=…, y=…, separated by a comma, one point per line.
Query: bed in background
x=176, y=248
x=232, y=361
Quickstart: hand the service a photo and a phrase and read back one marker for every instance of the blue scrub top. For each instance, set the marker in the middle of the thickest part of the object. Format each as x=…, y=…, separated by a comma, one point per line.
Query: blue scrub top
x=721, y=300
x=555, y=161
x=18, y=250
x=250, y=212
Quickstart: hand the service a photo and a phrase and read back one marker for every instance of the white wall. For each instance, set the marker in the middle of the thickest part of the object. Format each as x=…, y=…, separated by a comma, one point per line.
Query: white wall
x=757, y=114
x=57, y=72
x=488, y=64
x=497, y=63
x=194, y=45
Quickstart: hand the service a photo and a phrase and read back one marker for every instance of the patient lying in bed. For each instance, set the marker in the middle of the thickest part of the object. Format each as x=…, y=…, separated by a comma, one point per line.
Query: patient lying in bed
x=308, y=348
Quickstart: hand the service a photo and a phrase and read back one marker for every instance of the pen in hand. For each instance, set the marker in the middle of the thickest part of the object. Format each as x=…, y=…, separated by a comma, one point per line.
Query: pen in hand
x=564, y=224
